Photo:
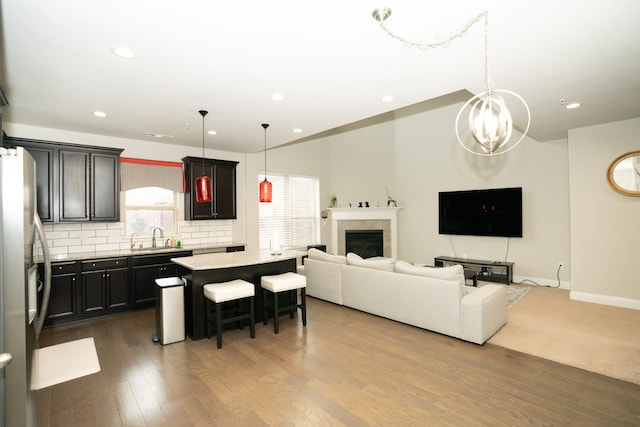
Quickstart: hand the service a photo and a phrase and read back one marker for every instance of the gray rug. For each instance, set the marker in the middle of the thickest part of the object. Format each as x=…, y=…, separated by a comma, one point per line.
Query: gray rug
x=515, y=294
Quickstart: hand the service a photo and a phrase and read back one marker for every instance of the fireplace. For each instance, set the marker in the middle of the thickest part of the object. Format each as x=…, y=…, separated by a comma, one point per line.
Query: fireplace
x=343, y=219
x=366, y=243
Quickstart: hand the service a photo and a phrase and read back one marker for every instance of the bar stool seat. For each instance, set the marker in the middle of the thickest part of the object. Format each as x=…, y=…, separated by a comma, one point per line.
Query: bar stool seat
x=224, y=292
x=277, y=285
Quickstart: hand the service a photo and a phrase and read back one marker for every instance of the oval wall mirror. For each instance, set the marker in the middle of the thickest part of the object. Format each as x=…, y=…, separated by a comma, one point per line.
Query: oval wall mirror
x=623, y=174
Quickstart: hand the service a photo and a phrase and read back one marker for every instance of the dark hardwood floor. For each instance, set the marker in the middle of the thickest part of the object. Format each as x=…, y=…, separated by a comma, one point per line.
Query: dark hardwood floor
x=345, y=368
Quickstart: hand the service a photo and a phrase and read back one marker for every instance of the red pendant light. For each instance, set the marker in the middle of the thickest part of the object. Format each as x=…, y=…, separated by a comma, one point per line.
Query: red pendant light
x=204, y=193
x=265, y=186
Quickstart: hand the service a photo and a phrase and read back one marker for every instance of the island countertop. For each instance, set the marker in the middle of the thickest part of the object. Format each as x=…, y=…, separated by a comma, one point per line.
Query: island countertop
x=232, y=259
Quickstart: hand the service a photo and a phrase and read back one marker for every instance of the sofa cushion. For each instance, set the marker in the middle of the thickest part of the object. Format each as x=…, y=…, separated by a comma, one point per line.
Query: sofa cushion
x=454, y=273
x=319, y=255
x=377, y=263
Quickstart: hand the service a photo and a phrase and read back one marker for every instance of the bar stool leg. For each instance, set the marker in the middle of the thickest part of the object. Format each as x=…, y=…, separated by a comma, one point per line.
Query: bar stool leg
x=276, y=323
x=265, y=319
x=303, y=305
x=252, y=323
x=219, y=324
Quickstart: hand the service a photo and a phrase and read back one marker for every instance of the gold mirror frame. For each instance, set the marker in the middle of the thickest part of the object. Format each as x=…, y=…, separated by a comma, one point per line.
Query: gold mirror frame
x=611, y=179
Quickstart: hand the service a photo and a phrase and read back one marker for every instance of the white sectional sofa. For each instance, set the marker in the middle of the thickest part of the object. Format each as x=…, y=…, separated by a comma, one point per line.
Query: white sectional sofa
x=427, y=297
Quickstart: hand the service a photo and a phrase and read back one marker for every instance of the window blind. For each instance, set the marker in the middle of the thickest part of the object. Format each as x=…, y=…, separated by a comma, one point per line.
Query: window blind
x=139, y=173
x=293, y=215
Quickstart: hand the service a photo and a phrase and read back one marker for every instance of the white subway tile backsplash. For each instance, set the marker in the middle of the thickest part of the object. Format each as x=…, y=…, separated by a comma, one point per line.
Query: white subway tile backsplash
x=81, y=234
x=66, y=238
x=51, y=235
x=65, y=242
x=81, y=249
x=110, y=247
x=94, y=241
x=94, y=225
x=66, y=226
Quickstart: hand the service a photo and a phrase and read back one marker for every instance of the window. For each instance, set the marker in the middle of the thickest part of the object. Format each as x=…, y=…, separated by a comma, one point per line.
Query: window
x=293, y=215
x=149, y=207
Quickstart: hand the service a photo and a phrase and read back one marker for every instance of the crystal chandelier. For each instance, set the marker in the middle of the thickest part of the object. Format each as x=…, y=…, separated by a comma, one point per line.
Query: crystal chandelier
x=488, y=129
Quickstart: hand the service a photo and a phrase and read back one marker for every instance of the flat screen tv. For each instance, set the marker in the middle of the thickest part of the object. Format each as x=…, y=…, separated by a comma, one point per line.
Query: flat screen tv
x=492, y=212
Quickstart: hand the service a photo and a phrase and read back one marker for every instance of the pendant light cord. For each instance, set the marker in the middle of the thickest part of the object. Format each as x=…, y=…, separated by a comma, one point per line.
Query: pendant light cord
x=265, y=126
x=203, y=113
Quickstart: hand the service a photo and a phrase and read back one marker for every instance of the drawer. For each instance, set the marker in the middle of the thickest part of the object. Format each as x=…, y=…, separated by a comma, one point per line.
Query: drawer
x=60, y=268
x=104, y=264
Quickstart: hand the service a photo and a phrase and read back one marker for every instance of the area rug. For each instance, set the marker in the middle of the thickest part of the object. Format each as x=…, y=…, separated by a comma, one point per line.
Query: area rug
x=515, y=294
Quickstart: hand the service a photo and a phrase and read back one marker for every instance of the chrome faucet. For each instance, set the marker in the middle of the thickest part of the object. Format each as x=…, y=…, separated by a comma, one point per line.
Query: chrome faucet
x=153, y=239
x=132, y=243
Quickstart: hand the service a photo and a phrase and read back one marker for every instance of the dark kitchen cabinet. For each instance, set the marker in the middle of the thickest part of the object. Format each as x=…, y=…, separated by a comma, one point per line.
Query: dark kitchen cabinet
x=223, y=178
x=145, y=269
x=89, y=186
x=104, y=286
x=75, y=183
x=44, y=158
x=63, y=299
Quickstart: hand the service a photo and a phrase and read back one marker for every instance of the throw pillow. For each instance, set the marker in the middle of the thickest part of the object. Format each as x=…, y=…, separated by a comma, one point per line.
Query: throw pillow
x=319, y=255
x=454, y=273
x=378, y=263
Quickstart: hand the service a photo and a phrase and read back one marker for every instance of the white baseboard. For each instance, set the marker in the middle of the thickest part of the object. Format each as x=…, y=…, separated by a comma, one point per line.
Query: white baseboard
x=605, y=299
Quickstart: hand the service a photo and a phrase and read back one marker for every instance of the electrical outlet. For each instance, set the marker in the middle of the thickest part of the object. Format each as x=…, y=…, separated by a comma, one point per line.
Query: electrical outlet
x=561, y=265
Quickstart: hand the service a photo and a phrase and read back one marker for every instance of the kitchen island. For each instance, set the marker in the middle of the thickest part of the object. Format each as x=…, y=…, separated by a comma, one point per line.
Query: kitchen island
x=221, y=267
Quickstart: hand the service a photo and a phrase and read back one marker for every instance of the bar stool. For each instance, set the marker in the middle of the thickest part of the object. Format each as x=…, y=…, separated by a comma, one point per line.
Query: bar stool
x=235, y=290
x=279, y=284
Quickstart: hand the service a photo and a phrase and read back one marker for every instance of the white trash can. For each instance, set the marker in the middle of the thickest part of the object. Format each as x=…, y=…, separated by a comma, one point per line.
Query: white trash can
x=169, y=310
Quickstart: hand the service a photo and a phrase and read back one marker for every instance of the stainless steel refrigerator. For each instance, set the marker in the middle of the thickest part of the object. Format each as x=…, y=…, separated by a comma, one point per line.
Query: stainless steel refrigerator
x=23, y=295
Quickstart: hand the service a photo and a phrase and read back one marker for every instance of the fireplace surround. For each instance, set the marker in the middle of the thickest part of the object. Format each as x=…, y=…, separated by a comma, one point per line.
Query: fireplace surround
x=384, y=219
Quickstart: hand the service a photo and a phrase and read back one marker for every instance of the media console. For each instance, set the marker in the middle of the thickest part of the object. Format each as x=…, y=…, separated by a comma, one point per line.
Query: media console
x=491, y=271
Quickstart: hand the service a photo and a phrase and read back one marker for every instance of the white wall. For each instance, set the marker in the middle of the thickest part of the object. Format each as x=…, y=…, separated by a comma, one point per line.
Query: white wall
x=605, y=225
x=429, y=159
x=310, y=158
x=416, y=155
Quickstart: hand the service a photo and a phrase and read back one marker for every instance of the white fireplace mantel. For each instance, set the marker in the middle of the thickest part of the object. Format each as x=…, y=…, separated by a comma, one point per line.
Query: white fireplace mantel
x=364, y=214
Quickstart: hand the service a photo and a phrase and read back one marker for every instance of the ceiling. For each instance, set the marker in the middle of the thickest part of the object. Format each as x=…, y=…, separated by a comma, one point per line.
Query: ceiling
x=330, y=60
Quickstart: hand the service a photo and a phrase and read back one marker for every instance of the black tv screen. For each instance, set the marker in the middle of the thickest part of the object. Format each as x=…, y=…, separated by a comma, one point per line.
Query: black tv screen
x=493, y=212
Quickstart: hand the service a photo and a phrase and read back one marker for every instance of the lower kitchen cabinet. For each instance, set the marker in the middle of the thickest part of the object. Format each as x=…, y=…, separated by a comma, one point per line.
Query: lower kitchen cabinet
x=98, y=287
x=145, y=269
x=104, y=286
x=63, y=301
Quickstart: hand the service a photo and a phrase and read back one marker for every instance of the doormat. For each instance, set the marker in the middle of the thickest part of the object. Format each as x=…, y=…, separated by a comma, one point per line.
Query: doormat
x=64, y=362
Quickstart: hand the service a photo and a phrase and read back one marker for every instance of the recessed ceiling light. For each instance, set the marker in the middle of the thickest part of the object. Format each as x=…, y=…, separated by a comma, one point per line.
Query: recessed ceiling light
x=212, y=132
x=100, y=114
x=123, y=52
x=572, y=105
x=387, y=98
x=277, y=97
x=297, y=130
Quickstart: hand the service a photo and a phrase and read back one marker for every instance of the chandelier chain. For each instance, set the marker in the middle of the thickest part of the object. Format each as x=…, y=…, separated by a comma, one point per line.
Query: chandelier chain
x=437, y=41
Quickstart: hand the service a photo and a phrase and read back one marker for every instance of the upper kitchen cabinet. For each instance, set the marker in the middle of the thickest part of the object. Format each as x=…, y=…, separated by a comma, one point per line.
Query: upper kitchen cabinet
x=223, y=178
x=75, y=183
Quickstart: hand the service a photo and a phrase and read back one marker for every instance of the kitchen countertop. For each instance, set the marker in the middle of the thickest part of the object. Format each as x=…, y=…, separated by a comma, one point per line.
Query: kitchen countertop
x=134, y=252
x=232, y=259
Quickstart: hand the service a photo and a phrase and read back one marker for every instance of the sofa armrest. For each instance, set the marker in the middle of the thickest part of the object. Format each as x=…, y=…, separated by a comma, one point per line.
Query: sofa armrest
x=324, y=280
x=483, y=311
